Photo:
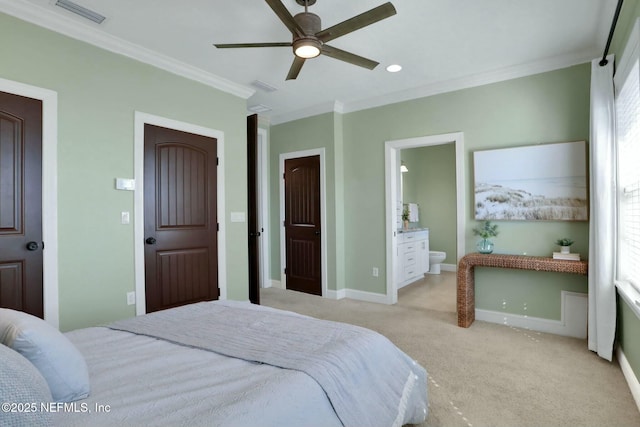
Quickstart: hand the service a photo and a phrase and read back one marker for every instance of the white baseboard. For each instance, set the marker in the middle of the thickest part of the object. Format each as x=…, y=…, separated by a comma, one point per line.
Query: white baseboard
x=357, y=295
x=629, y=375
x=448, y=267
x=336, y=294
x=572, y=323
x=366, y=296
x=275, y=284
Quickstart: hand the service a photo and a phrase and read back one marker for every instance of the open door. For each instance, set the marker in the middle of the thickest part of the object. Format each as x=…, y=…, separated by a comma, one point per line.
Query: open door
x=255, y=232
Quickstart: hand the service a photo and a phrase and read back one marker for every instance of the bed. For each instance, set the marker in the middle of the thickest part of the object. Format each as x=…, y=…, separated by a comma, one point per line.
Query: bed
x=228, y=363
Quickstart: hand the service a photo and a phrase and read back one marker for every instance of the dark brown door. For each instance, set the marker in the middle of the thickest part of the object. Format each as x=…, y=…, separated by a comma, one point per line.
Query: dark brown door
x=180, y=218
x=253, y=226
x=21, y=204
x=302, y=224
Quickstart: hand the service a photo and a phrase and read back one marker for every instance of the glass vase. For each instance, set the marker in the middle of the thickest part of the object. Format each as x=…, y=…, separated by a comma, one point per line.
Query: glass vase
x=484, y=246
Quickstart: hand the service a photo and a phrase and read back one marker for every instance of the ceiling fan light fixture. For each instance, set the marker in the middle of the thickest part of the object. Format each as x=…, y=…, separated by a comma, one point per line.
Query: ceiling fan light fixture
x=306, y=48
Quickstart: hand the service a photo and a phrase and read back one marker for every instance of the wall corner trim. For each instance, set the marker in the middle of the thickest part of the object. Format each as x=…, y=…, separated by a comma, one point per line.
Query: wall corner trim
x=629, y=375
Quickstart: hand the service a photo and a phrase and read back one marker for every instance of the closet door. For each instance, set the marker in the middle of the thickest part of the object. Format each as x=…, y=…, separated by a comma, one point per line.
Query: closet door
x=302, y=224
x=21, y=204
x=181, y=247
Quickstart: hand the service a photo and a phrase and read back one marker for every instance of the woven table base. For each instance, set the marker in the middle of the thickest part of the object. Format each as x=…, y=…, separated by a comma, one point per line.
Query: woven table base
x=466, y=284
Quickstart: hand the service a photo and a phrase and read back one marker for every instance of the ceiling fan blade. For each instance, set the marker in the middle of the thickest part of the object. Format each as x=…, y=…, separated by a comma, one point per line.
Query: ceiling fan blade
x=286, y=17
x=295, y=68
x=234, y=45
x=348, y=57
x=367, y=18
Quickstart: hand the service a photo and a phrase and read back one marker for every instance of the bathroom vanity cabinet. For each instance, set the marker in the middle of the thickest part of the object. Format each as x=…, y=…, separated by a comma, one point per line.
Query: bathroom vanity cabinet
x=413, y=256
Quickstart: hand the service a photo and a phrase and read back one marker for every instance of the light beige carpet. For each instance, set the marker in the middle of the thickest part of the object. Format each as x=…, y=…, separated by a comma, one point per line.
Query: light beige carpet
x=486, y=375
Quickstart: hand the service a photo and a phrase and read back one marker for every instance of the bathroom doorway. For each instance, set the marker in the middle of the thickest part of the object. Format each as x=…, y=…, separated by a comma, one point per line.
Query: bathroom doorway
x=394, y=199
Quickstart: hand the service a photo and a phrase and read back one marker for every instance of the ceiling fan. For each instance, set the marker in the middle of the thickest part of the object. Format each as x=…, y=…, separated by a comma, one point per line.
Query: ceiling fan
x=309, y=39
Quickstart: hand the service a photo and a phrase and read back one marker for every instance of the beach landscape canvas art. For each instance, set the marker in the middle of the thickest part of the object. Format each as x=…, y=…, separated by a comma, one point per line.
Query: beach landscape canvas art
x=546, y=182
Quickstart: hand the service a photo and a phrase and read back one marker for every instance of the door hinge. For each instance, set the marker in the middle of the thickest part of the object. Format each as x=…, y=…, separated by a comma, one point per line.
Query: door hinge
x=43, y=246
x=217, y=161
x=217, y=226
x=285, y=271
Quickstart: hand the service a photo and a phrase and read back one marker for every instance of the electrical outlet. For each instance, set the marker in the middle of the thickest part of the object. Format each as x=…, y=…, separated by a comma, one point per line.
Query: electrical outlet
x=375, y=272
x=131, y=298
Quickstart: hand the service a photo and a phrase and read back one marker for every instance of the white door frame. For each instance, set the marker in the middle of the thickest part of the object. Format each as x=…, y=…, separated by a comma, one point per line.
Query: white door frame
x=323, y=214
x=140, y=120
x=49, y=100
x=392, y=172
x=263, y=207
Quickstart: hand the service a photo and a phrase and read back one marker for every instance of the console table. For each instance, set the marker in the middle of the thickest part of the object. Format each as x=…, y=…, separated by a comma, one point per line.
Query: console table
x=466, y=284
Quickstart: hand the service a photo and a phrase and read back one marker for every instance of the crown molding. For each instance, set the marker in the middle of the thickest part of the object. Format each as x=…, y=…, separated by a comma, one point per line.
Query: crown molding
x=500, y=75
x=325, y=107
x=91, y=34
x=496, y=76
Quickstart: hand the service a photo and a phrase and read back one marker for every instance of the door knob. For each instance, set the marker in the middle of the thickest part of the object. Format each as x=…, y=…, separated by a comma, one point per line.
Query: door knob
x=150, y=241
x=317, y=233
x=32, y=246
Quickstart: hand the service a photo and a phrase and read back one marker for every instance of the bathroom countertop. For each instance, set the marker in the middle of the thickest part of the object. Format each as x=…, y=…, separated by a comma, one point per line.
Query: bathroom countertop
x=412, y=230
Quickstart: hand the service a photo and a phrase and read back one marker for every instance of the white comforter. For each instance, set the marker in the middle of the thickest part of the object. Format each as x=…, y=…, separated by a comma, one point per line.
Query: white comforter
x=138, y=379
x=142, y=381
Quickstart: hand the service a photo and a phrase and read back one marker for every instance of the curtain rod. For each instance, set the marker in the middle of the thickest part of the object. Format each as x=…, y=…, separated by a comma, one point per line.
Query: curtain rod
x=604, y=61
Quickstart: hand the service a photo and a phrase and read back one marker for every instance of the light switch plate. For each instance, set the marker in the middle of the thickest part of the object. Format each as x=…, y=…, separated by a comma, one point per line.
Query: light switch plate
x=125, y=184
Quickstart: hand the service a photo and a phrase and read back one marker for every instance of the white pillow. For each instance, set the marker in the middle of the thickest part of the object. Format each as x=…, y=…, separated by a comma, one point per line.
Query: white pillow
x=57, y=359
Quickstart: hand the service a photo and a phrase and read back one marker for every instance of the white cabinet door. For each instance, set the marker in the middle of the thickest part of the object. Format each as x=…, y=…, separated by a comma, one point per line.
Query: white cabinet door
x=412, y=257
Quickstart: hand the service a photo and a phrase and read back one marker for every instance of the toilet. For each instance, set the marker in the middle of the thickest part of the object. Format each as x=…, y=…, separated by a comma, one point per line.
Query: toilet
x=435, y=259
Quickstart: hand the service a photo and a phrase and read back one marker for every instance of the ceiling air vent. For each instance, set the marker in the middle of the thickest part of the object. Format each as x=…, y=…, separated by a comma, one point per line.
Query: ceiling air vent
x=82, y=11
x=259, y=108
x=263, y=86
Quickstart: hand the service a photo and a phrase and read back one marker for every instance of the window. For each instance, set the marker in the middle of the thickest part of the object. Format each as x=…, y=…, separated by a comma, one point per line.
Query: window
x=627, y=105
x=628, y=140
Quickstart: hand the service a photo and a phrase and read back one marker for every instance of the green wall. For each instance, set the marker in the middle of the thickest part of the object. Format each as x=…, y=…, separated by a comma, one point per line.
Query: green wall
x=628, y=333
x=98, y=93
x=548, y=107
x=431, y=183
x=323, y=131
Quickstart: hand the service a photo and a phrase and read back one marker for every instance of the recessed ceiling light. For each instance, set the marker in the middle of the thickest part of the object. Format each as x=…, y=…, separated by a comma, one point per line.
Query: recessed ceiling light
x=394, y=68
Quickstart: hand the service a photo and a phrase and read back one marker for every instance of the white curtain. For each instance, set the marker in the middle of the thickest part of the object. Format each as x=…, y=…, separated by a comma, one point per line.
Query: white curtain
x=602, y=221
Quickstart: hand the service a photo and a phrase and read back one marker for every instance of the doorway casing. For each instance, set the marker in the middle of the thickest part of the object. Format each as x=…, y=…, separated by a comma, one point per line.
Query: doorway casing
x=49, y=100
x=323, y=215
x=392, y=172
x=263, y=207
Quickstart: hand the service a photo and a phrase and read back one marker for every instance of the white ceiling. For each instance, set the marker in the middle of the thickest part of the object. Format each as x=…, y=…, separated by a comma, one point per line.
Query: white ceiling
x=441, y=44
